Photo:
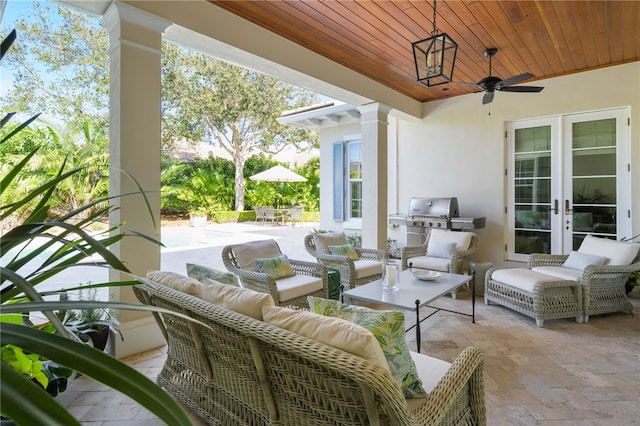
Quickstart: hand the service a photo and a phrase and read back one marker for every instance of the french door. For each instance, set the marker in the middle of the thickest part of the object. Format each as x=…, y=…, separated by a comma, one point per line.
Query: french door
x=567, y=176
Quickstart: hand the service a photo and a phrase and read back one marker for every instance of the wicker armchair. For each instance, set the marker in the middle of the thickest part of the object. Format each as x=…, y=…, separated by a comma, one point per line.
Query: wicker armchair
x=353, y=273
x=231, y=369
x=289, y=291
x=454, y=264
x=603, y=286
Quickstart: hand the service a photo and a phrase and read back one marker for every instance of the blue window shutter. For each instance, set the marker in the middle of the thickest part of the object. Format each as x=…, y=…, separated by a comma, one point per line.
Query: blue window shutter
x=338, y=181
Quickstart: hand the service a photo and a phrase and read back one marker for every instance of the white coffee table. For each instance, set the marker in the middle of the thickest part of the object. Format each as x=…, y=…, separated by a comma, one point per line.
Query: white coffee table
x=414, y=294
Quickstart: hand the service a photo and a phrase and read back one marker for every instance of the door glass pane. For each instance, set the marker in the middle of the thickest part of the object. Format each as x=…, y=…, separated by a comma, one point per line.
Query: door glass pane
x=594, y=134
x=528, y=242
x=532, y=190
x=594, y=161
x=594, y=179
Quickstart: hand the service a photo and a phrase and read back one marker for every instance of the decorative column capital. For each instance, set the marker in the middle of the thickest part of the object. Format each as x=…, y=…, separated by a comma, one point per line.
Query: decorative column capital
x=120, y=12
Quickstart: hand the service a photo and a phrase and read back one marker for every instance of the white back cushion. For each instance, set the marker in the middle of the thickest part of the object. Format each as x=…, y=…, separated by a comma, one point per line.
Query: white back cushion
x=462, y=239
x=242, y=300
x=335, y=332
x=176, y=281
x=247, y=253
x=323, y=241
x=618, y=252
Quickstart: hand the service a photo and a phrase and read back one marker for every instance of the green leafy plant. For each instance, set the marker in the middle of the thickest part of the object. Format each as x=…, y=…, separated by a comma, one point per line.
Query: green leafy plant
x=91, y=325
x=634, y=277
x=32, y=251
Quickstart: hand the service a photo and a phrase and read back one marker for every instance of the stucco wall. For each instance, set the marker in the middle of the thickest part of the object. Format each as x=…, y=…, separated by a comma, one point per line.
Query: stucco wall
x=458, y=149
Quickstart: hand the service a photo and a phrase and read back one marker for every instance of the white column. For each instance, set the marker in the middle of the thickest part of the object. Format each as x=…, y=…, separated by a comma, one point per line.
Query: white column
x=373, y=122
x=135, y=58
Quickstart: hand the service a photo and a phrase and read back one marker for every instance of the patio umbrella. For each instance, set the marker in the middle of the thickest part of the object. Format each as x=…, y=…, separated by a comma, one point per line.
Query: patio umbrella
x=278, y=174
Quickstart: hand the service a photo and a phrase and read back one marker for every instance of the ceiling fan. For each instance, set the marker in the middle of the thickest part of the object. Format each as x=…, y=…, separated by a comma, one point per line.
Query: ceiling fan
x=491, y=83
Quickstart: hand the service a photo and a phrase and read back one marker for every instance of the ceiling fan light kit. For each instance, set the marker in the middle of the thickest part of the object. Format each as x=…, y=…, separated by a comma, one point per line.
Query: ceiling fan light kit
x=435, y=57
x=491, y=83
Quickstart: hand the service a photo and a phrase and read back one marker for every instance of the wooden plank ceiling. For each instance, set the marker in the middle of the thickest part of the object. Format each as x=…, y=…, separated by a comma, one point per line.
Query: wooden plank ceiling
x=545, y=38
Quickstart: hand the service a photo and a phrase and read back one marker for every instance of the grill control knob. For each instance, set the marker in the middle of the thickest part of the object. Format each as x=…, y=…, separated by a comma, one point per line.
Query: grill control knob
x=430, y=224
x=439, y=224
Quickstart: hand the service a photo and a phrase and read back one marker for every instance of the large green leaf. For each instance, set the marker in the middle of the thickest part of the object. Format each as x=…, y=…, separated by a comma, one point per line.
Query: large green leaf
x=92, y=363
x=18, y=401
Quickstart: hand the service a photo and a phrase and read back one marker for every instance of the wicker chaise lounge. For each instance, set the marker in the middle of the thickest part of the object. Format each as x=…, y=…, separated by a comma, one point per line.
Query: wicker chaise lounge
x=587, y=282
x=232, y=369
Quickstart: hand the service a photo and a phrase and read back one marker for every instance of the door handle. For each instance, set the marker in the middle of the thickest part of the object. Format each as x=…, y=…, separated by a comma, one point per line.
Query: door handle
x=567, y=210
x=555, y=206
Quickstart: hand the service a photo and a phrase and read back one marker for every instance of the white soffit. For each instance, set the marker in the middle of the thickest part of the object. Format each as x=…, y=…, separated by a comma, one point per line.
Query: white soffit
x=321, y=116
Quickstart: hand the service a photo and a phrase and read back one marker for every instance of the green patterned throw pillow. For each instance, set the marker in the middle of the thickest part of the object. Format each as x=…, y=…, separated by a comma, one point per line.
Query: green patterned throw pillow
x=199, y=272
x=344, y=250
x=388, y=329
x=278, y=267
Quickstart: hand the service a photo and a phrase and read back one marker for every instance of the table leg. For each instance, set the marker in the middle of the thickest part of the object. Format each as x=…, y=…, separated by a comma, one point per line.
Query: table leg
x=473, y=298
x=418, y=324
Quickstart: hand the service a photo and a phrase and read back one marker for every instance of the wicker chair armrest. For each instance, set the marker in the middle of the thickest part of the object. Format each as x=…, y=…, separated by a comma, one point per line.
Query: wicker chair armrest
x=464, y=376
x=541, y=259
x=373, y=254
x=608, y=272
x=333, y=258
x=308, y=268
x=473, y=247
x=257, y=281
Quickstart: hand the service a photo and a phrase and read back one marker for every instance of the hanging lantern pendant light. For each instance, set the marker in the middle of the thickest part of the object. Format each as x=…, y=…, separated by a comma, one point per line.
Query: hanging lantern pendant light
x=435, y=57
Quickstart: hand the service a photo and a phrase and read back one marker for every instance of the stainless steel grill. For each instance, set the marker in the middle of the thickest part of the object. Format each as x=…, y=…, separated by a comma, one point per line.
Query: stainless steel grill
x=425, y=213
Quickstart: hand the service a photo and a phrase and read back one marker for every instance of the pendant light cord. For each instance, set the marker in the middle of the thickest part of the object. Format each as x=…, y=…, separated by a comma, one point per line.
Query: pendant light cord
x=435, y=29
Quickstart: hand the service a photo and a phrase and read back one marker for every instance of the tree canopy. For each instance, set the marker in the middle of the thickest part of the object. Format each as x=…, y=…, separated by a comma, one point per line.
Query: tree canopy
x=209, y=100
x=203, y=99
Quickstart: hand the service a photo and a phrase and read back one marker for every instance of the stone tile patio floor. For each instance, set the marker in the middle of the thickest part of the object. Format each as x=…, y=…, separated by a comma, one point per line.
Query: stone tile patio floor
x=563, y=374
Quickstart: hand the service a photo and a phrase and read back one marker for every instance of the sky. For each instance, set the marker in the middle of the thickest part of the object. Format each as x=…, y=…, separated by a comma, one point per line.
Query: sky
x=13, y=10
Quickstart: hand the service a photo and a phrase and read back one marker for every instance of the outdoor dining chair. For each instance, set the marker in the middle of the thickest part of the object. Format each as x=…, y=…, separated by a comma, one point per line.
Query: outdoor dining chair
x=294, y=215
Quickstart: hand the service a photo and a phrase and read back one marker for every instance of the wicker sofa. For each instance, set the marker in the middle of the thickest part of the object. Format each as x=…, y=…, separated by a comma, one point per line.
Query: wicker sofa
x=232, y=369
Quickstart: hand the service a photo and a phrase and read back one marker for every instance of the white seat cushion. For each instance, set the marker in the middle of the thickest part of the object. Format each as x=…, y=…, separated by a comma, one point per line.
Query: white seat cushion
x=521, y=278
x=367, y=268
x=430, y=370
x=297, y=285
x=618, y=252
x=559, y=271
x=462, y=239
x=431, y=263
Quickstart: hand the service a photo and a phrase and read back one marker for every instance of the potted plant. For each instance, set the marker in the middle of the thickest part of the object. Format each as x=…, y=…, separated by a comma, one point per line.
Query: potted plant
x=634, y=277
x=198, y=216
x=91, y=325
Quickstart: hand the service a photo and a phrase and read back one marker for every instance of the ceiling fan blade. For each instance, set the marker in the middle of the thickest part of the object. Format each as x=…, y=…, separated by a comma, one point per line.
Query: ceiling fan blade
x=515, y=79
x=487, y=98
x=528, y=89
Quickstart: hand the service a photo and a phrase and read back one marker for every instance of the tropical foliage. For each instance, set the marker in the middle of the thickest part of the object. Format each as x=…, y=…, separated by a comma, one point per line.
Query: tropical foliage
x=230, y=107
x=33, y=250
x=203, y=99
